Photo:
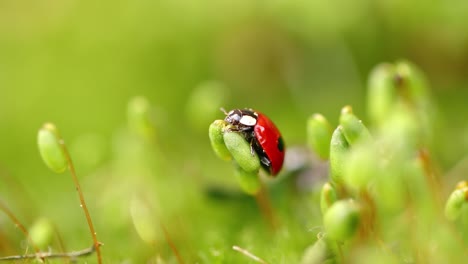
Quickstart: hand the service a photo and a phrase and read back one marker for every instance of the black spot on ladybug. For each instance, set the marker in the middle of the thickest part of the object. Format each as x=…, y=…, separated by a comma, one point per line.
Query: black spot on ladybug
x=280, y=144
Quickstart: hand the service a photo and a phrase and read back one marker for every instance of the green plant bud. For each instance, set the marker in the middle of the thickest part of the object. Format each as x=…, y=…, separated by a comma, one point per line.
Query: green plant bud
x=248, y=181
x=241, y=151
x=319, y=133
x=41, y=233
x=140, y=117
x=204, y=103
x=413, y=90
x=322, y=251
x=328, y=196
x=143, y=220
x=338, y=150
x=412, y=81
x=353, y=128
x=216, y=134
x=51, y=148
x=455, y=202
x=342, y=220
x=382, y=94
x=361, y=166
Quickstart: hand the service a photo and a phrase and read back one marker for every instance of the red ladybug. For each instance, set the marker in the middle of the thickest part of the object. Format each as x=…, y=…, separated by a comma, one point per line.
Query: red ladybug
x=264, y=137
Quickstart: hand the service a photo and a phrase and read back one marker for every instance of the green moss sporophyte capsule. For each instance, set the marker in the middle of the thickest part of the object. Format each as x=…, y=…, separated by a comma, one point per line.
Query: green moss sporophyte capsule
x=382, y=93
x=241, y=151
x=455, y=202
x=338, y=151
x=319, y=133
x=342, y=220
x=353, y=128
x=322, y=251
x=413, y=80
x=328, y=196
x=41, y=233
x=51, y=148
x=216, y=134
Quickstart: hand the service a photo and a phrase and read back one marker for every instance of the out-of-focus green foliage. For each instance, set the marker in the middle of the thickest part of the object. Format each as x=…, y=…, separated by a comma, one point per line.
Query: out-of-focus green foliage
x=78, y=64
x=42, y=233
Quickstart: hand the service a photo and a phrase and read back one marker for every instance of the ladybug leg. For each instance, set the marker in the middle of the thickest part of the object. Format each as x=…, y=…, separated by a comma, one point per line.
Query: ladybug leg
x=265, y=161
x=252, y=146
x=253, y=143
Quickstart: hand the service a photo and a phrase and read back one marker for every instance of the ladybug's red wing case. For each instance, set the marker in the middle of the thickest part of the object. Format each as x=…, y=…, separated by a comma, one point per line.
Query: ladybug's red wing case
x=269, y=139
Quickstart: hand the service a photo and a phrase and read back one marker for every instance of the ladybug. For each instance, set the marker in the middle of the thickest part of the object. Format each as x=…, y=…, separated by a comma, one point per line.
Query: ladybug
x=264, y=137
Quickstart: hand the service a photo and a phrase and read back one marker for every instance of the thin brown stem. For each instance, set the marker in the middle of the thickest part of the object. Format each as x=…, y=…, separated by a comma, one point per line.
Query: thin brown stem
x=14, y=187
x=21, y=227
x=171, y=243
x=431, y=176
x=49, y=255
x=263, y=201
x=369, y=214
x=97, y=244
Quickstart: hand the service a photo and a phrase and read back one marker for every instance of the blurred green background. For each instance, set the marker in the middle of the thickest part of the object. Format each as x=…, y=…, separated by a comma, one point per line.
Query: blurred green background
x=78, y=63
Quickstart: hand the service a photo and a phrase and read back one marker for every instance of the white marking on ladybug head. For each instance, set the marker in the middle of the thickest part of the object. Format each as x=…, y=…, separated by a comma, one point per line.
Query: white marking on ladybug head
x=248, y=120
x=233, y=117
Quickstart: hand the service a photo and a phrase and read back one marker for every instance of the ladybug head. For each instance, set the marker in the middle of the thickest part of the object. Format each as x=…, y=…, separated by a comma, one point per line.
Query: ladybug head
x=233, y=117
x=244, y=119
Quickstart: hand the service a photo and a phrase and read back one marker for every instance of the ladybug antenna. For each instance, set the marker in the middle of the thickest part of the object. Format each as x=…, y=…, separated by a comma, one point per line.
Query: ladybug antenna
x=223, y=110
